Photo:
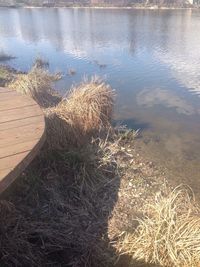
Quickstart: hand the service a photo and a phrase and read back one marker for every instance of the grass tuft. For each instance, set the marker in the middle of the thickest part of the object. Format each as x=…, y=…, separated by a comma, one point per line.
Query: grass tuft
x=169, y=235
x=7, y=74
x=37, y=84
x=84, y=112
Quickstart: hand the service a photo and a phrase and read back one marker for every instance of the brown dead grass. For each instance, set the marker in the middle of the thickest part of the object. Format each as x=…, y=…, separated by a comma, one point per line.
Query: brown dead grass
x=91, y=102
x=37, y=84
x=169, y=235
x=86, y=111
x=60, y=209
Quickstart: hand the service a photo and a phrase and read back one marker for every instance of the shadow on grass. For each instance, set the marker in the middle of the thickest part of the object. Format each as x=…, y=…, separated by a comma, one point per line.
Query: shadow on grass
x=60, y=211
x=62, y=205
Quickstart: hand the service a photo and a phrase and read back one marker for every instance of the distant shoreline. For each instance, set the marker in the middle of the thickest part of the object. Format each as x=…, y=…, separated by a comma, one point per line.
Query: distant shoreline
x=108, y=7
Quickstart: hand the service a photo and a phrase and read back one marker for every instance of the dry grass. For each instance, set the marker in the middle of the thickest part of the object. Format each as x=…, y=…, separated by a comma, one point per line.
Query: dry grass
x=91, y=103
x=7, y=74
x=170, y=233
x=37, y=84
x=86, y=111
x=60, y=210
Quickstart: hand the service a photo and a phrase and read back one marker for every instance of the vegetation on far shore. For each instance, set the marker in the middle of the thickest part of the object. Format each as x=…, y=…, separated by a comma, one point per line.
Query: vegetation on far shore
x=88, y=199
x=5, y=57
x=101, y=3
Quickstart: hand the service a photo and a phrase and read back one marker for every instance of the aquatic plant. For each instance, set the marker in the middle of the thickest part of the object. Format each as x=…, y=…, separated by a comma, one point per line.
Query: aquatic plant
x=71, y=72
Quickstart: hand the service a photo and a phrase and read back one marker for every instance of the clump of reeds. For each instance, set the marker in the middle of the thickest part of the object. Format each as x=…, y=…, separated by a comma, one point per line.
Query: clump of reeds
x=85, y=111
x=169, y=235
x=7, y=74
x=91, y=102
x=37, y=84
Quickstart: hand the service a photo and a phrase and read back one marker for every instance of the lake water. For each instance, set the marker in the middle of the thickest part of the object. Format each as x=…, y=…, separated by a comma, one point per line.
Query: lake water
x=151, y=58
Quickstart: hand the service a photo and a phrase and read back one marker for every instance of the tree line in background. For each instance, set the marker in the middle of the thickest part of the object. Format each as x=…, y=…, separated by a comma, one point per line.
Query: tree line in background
x=122, y=3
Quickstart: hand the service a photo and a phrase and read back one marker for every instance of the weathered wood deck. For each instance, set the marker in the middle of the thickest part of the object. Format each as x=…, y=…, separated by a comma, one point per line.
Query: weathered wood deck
x=22, y=133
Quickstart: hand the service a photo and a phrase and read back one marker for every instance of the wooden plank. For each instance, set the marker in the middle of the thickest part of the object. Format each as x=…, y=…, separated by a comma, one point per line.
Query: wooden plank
x=9, y=177
x=22, y=133
x=4, y=173
x=17, y=148
x=24, y=112
x=19, y=102
x=11, y=174
x=22, y=122
x=8, y=95
x=5, y=90
x=10, y=162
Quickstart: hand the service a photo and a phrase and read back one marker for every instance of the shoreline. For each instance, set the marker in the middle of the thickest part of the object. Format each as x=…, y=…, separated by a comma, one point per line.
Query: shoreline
x=105, y=7
x=91, y=192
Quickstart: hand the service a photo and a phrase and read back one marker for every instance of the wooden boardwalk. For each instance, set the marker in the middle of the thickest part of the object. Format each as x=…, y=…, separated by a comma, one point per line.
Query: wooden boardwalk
x=22, y=133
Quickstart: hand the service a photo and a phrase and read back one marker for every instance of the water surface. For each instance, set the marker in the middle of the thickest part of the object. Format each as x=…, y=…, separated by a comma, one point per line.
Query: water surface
x=151, y=58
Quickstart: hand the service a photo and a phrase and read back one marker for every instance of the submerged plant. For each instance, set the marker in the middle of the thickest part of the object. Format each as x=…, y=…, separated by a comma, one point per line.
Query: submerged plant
x=40, y=63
